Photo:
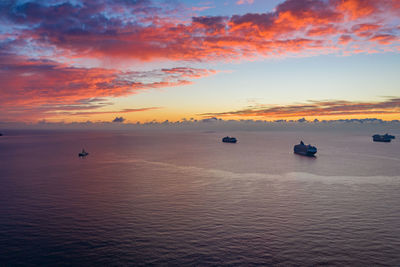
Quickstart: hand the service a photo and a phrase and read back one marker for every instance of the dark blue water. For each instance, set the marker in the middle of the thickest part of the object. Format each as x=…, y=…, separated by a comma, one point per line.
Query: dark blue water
x=143, y=198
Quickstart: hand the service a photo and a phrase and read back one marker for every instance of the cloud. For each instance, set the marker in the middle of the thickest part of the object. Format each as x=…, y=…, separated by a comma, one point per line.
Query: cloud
x=345, y=39
x=90, y=113
x=366, y=125
x=316, y=108
x=384, y=38
x=32, y=87
x=140, y=30
x=119, y=119
x=32, y=82
x=184, y=72
x=242, y=2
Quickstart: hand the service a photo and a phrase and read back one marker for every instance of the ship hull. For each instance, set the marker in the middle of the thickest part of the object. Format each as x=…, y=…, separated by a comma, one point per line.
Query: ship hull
x=307, y=154
x=229, y=140
x=382, y=140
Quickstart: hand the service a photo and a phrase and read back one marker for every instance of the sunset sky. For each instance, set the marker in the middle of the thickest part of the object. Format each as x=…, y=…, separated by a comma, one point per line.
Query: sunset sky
x=147, y=60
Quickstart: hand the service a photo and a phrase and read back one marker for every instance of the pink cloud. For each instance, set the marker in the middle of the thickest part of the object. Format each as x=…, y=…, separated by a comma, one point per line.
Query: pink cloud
x=317, y=108
x=47, y=86
x=88, y=32
x=345, y=39
x=242, y=2
x=384, y=39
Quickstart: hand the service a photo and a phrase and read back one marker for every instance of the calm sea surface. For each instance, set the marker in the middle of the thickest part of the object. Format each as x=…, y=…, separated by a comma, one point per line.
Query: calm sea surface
x=143, y=198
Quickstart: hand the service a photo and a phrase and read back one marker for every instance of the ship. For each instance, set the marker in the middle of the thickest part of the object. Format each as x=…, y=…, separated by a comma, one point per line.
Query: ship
x=305, y=150
x=228, y=139
x=381, y=138
x=83, y=154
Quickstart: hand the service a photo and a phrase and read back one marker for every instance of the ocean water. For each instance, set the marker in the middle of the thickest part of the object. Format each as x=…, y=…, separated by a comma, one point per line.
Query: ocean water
x=185, y=198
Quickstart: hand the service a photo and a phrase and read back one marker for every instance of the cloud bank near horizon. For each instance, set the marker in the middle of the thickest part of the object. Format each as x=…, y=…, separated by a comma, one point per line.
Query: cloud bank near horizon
x=215, y=124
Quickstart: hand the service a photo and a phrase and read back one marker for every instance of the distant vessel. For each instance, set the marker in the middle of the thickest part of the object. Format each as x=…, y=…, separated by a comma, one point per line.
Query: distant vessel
x=83, y=153
x=1, y=134
x=228, y=139
x=382, y=138
x=305, y=150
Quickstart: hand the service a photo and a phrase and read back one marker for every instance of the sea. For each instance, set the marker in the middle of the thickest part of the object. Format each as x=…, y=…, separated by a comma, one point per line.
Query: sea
x=184, y=198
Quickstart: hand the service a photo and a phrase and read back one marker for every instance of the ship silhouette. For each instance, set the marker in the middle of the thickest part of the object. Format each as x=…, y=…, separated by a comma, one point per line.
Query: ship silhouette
x=228, y=139
x=83, y=153
x=305, y=150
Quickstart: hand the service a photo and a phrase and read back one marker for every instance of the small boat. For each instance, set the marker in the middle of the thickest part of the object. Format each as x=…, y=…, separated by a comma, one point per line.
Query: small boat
x=83, y=153
x=1, y=134
x=305, y=150
x=381, y=138
x=228, y=139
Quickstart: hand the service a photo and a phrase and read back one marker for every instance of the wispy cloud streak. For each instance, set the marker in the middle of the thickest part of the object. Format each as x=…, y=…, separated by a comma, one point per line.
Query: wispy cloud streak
x=316, y=108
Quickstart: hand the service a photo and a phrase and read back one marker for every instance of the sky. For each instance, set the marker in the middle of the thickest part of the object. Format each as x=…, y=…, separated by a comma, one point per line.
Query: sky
x=148, y=60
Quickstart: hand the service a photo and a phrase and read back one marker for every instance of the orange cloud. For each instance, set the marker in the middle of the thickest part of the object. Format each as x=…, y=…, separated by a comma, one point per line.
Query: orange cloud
x=358, y=8
x=88, y=32
x=344, y=39
x=42, y=87
x=80, y=113
x=242, y=2
x=384, y=39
